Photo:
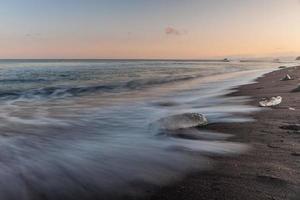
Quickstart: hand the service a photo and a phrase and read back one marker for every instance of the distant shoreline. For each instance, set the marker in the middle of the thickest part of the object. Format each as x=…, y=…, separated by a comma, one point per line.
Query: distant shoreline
x=225, y=60
x=107, y=59
x=270, y=170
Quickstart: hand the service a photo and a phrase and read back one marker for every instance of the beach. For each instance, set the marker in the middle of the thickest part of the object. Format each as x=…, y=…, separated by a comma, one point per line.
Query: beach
x=271, y=168
x=98, y=129
x=150, y=100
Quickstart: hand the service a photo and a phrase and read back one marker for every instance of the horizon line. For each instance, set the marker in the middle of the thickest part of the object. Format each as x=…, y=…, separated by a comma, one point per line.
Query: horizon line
x=157, y=59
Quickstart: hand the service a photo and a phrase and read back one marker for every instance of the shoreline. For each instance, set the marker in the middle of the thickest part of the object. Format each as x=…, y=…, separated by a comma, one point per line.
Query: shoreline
x=271, y=169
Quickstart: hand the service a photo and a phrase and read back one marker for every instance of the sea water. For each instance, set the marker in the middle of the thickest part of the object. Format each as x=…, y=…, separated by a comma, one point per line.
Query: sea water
x=88, y=129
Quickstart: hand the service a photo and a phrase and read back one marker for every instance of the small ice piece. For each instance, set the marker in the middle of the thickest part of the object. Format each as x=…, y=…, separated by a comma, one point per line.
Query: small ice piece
x=291, y=108
x=268, y=102
x=287, y=78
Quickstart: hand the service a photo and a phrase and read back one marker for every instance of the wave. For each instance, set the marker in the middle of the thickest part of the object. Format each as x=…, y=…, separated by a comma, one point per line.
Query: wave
x=141, y=83
x=73, y=91
x=4, y=81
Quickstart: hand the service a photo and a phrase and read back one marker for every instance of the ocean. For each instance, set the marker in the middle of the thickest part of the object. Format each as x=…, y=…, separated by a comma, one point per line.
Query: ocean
x=86, y=129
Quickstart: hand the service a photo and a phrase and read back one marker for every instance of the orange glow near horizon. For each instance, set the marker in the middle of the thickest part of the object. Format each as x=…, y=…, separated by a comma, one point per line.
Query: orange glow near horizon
x=218, y=29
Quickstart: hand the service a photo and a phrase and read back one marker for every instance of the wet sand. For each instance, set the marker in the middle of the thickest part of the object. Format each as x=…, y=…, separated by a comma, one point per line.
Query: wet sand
x=271, y=169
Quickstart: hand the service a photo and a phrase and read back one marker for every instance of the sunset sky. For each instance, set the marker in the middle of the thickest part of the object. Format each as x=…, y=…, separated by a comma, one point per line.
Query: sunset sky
x=182, y=29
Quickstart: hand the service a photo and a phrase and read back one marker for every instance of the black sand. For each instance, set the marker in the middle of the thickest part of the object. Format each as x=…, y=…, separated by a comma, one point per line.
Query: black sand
x=271, y=170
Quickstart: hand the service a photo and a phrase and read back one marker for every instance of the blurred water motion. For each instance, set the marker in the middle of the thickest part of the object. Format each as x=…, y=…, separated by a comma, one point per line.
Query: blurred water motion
x=84, y=130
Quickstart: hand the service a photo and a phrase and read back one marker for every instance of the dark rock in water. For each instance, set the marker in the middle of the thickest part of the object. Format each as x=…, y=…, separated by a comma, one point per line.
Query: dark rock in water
x=282, y=67
x=292, y=127
x=298, y=58
x=182, y=121
x=226, y=60
x=296, y=89
x=260, y=88
x=287, y=78
x=295, y=154
x=265, y=177
x=196, y=134
x=166, y=104
x=273, y=146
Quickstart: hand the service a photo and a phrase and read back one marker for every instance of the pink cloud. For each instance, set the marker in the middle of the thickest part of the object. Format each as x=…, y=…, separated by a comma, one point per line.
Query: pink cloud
x=173, y=31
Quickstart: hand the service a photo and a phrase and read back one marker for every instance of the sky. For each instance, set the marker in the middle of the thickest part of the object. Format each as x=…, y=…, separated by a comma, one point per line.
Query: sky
x=150, y=29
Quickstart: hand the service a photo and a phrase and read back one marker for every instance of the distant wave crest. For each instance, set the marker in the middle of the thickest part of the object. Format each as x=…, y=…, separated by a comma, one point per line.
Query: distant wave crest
x=73, y=91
